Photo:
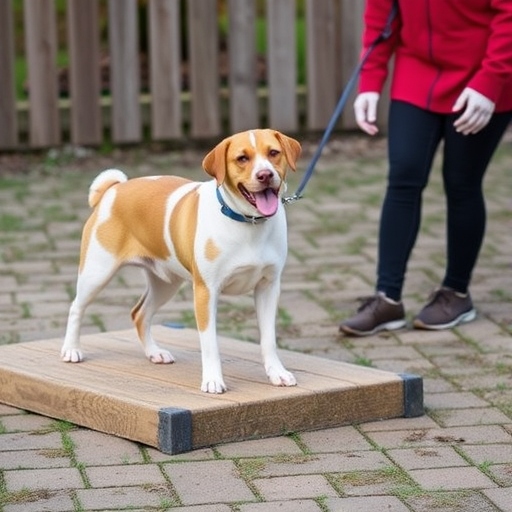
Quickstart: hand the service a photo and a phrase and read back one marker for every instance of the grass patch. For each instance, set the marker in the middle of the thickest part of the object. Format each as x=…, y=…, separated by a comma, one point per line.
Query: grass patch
x=501, y=295
x=53, y=453
x=432, y=500
x=98, y=322
x=293, y=458
x=299, y=442
x=25, y=495
x=363, y=361
x=356, y=245
x=10, y=222
x=188, y=318
x=55, y=213
x=249, y=469
x=232, y=318
x=391, y=476
x=25, y=310
x=9, y=338
x=284, y=319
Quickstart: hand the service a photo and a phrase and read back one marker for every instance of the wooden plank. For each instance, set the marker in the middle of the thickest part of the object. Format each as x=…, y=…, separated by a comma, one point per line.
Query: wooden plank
x=321, y=62
x=115, y=390
x=265, y=418
x=203, y=53
x=83, y=35
x=41, y=47
x=77, y=404
x=8, y=120
x=243, y=100
x=124, y=70
x=282, y=65
x=165, y=69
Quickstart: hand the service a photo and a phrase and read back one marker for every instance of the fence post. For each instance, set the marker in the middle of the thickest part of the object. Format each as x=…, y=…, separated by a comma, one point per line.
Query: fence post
x=282, y=65
x=8, y=120
x=84, y=71
x=124, y=70
x=242, y=59
x=321, y=62
x=41, y=43
x=204, y=68
x=165, y=69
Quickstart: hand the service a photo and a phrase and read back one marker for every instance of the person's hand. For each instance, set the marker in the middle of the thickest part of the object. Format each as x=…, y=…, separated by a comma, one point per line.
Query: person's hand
x=365, y=109
x=478, y=110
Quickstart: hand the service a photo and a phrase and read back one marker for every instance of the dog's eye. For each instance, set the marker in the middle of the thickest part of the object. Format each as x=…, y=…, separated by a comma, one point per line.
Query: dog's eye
x=242, y=159
x=273, y=153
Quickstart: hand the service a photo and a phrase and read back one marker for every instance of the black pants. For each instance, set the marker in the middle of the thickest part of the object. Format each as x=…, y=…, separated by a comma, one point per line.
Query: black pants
x=413, y=138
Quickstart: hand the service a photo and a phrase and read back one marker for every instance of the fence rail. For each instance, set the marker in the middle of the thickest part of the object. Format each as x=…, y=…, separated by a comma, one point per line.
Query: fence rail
x=172, y=72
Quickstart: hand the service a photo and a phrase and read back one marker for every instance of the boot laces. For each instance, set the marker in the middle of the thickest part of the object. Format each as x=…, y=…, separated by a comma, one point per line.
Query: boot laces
x=367, y=302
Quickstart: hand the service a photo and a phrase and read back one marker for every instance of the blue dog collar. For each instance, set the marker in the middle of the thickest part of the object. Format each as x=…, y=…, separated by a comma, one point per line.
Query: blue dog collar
x=228, y=212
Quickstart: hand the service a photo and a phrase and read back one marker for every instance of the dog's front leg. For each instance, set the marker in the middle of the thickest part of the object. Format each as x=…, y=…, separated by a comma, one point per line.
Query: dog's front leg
x=205, y=305
x=266, y=296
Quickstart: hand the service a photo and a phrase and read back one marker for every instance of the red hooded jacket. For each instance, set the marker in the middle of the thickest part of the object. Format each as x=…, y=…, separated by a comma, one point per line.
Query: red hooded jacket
x=441, y=47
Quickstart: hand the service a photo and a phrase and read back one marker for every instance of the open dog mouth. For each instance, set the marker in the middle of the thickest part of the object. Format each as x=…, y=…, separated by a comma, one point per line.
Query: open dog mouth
x=265, y=201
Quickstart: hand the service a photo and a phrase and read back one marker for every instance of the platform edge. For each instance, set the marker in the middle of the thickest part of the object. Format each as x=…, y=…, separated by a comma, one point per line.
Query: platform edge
x=174, y=430
x=413, y=395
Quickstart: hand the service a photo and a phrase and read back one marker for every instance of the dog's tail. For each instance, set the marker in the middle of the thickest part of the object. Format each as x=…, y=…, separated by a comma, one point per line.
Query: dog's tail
x=102, y=182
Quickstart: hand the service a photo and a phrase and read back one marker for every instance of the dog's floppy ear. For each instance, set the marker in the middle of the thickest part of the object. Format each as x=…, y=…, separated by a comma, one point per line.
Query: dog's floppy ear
x=214, y=163
x=291, y=149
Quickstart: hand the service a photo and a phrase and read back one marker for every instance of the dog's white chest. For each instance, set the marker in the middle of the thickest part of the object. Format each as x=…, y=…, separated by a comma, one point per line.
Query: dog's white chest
x=244, y=279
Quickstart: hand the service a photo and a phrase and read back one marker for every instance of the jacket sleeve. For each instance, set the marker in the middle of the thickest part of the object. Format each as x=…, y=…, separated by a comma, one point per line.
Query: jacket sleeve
x=375, y=70
x=496, y=68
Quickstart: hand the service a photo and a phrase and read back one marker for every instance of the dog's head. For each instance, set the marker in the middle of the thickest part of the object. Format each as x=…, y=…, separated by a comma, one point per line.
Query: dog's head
x=252, y=166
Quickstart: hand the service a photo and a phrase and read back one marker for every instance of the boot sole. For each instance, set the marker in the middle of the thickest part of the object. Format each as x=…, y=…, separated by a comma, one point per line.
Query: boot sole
x=469, y=316
x=389, y=326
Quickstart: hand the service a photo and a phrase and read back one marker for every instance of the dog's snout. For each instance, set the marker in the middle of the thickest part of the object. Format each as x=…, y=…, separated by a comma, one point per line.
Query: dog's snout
x=264, y=176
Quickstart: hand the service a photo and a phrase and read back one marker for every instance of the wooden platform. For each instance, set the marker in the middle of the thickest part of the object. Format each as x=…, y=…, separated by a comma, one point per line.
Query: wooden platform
x=118, y=391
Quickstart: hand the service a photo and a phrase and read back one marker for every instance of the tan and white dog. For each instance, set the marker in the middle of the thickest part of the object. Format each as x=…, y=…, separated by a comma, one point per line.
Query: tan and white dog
x=227, y=235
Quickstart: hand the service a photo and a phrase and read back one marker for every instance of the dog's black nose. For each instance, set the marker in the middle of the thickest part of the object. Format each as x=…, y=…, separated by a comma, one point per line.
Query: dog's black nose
x=264, y=176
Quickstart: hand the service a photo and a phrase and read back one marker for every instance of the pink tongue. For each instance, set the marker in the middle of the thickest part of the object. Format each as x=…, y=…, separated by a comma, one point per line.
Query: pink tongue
x=266, y=202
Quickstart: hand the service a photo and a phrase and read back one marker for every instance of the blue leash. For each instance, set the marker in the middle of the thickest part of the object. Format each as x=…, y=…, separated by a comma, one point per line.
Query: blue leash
x=340, y=106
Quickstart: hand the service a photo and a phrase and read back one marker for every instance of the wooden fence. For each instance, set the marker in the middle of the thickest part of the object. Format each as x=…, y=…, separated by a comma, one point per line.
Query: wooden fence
x=185, y=95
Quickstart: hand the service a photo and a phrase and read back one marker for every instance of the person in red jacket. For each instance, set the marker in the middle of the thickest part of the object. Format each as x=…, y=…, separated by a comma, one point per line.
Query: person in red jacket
x=451, y=83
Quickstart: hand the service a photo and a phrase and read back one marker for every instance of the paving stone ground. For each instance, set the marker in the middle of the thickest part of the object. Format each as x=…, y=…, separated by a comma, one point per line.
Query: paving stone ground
x=457, y=457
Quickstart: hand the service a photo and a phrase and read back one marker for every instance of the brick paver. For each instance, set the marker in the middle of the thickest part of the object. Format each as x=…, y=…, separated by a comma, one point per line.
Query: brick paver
x=208, y=482
x=367, y=504
x=43, y=479
x=442, y=479
x=294, y=487
x=458, y=456
x=501, y=498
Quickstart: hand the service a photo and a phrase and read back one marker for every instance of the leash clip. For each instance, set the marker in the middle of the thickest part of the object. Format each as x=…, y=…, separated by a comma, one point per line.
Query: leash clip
x=291, y=199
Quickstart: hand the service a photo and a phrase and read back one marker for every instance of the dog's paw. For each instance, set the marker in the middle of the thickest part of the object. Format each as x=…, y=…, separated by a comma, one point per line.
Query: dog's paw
x=160, y=356
x=213, y=386
x=281, y=377
x=71, y=355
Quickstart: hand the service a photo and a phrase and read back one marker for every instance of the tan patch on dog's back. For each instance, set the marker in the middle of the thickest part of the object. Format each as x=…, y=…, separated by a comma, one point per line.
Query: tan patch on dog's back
x=135, y=228
x=183, y=234
x=183, y=228
x=211, y=251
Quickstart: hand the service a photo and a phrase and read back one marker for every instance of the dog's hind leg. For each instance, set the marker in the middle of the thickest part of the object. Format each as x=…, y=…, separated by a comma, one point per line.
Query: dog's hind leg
x=93, y=277
x=266, y=296
x=157, y=293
